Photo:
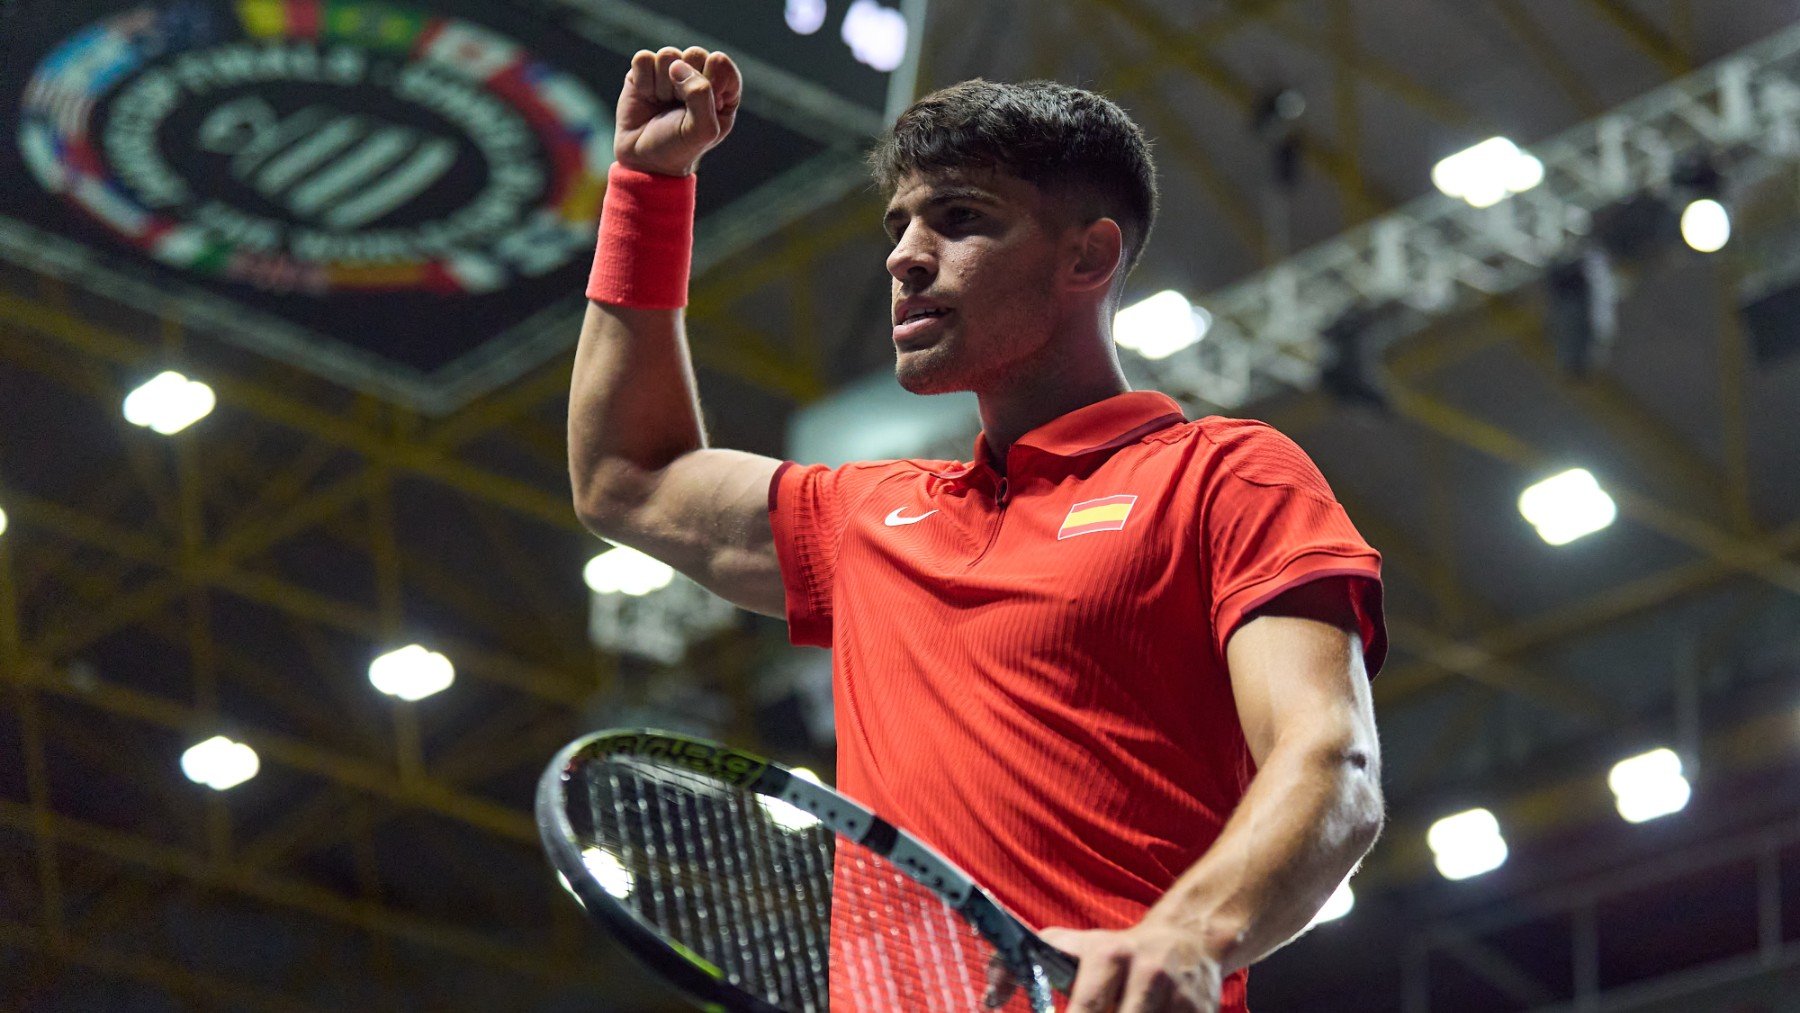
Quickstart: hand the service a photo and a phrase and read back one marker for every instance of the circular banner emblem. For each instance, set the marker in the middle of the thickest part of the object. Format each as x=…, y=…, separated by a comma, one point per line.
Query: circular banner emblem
x=321, y=146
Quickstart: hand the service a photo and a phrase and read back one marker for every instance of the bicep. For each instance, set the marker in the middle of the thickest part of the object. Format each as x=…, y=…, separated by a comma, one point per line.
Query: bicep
x=706, y=514
x=1297, y=672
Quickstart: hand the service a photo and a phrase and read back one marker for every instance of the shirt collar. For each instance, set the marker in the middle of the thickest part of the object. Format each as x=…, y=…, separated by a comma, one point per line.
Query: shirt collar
x=1104, y=425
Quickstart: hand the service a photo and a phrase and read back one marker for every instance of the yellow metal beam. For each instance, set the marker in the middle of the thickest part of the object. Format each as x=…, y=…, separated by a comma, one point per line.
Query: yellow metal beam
x=270, y=888
x=1615, y=603
x=331, y=765
x=171, y=977
x=408, y=454
x=1738, y=553
x=1338, y=44
x=1177, y=48
x=1537, y=811
x=352, y=617
x=1544, y=50
x=1644, y=33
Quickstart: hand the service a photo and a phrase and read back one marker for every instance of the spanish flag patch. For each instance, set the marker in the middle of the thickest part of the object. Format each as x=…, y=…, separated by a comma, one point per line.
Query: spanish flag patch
x=1107, y=513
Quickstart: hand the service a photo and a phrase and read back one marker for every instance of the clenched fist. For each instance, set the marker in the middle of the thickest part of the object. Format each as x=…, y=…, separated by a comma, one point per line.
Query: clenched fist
x=675, y=107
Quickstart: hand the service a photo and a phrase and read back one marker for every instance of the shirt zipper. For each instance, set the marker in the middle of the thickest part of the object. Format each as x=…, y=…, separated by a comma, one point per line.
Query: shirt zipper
x=1000, y=500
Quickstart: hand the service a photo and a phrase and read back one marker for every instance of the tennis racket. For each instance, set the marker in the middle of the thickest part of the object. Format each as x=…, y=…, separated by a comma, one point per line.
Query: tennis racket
x=752, y=888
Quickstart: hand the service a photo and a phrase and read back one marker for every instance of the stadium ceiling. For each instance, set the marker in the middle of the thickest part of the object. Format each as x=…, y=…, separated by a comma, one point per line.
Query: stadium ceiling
x=240, y=576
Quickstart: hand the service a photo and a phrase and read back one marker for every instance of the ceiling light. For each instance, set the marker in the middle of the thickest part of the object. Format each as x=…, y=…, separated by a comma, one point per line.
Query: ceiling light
x=1488, y=173
x=785, y=814
x=1706, y=225
x=1567, y=506
x=1649, y=785
x=805, y=16
x=1161, y=325
x=876, y=34
x=623, y=570
x=1467, y=844
x=411, y=673
x=169, y=403
x=604, y=866
x=219, y=763
x=1336, y=906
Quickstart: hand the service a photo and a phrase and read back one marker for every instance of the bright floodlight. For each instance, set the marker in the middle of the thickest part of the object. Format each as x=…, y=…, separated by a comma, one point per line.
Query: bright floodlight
x=786, y=815
x=1567, y=506
x=1161, y=325
x=169, y=403
x=1487, y=173
x=411, y=673
x=1649, y=785
x=1706, y=225
x=219, y=763
x=622, y=570
x=876, y=34
x=805, y=16
x=612, y=877
x=1467, y=844
x=2, y=522
x=1336, y=906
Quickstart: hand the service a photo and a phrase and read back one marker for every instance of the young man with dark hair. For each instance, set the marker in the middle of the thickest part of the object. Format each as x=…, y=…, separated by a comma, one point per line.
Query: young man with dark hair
x=1116, y=665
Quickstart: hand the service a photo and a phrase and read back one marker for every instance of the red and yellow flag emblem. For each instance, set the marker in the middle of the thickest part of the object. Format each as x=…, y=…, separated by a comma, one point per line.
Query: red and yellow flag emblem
x=1107, y=513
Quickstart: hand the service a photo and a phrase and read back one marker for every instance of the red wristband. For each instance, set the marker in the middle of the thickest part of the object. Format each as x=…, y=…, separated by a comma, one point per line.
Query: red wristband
x=646, y=246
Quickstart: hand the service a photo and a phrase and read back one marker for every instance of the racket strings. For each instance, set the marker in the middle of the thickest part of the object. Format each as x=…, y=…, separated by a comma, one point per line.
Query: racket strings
x=773, y=900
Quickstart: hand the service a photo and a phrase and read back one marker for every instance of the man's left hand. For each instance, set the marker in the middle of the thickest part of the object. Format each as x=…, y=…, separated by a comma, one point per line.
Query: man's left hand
x=1148, y=968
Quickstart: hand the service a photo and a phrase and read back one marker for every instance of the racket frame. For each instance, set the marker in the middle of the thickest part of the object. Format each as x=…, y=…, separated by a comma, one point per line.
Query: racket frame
x=1039, y=966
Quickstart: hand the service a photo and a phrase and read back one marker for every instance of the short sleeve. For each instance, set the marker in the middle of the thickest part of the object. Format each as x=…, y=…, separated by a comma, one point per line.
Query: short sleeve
x=1272, y=524
x=809, y=508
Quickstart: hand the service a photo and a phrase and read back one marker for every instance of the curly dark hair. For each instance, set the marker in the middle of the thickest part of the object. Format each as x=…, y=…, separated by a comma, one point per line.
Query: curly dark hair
x=1075, y=143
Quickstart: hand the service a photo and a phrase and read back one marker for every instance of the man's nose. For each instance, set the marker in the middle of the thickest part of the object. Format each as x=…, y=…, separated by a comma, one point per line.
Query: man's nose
x=912, y=259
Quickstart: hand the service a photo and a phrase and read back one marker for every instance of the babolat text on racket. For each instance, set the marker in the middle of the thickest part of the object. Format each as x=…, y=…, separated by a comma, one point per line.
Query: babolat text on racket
x=753, y=888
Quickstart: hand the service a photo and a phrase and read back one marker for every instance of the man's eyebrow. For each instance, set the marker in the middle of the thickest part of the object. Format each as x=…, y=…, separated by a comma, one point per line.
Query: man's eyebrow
x=939, y=197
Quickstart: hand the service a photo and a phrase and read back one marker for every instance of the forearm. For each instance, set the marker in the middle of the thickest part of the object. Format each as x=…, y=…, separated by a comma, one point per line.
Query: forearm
x=1311, y=813
x=632, y=402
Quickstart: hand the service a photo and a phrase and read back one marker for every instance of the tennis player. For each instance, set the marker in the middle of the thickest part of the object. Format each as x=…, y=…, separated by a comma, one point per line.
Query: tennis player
x=1116, y=664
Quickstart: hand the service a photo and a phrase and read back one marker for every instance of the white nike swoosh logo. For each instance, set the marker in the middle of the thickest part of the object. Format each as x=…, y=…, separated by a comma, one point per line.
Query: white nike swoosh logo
x=895, y=519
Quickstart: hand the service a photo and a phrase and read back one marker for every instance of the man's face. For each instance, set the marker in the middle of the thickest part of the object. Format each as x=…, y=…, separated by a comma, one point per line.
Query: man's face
x=974, y=252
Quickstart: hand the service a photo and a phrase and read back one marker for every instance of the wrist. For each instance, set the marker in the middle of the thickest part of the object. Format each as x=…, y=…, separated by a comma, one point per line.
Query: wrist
x=1218, y=935
x=654, y=169
x=646, y=243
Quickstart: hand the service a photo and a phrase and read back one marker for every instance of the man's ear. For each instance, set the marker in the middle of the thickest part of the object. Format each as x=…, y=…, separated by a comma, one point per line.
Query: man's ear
x=1099, y=250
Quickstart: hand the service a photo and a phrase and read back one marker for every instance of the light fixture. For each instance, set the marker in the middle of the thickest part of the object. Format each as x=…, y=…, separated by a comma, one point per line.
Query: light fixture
x=1352, y=347
x=411, y=673
x=1581, y=313
x=1567, y=506
x=785, y=814
x=1706, y=225
x=219, y=763
x=1466, y=844
x=604, y=866
x=169, y=403
x=2, y=522
x=876, y=34
x=1336, y=906
x=805, y=16
x=1488, y=173
x=1161, y=325
x=624, y=570
x=1649, y=785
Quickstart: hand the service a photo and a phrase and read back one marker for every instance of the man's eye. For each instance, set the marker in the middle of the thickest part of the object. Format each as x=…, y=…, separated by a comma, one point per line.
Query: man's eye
x=962, y=216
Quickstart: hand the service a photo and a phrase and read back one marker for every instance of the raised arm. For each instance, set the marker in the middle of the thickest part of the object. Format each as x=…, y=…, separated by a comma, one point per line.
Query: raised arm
x=639, y=465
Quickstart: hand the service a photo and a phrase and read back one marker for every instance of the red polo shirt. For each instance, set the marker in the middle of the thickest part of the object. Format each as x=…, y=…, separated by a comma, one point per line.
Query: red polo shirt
x=1029, y=669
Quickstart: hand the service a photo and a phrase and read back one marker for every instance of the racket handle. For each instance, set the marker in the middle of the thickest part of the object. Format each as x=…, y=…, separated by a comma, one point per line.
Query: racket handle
x=1059, y=967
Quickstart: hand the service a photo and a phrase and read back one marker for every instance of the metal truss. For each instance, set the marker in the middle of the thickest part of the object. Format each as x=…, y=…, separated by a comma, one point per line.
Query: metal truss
x=1437, y=256
x=1760, y=968
x=152, y=556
